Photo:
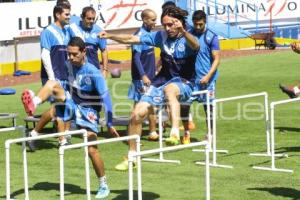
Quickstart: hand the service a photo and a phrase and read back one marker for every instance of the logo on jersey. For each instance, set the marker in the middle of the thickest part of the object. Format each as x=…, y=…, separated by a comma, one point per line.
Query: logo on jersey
x=157, y=99
x=87, y=80
x=91, y=117
x=181, y=47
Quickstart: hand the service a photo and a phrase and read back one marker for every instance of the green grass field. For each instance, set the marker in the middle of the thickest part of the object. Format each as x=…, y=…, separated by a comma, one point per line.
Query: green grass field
x=241, y=130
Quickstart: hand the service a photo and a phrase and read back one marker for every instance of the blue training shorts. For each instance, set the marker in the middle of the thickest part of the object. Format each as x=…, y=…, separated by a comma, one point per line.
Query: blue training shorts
x=136, y=90
x=211, y=87
x=155, y=95
x=85, y=117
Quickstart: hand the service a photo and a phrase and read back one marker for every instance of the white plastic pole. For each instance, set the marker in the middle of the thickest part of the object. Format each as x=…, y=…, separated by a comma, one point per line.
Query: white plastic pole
x=161, y=155
x=25, y=170
x=207, y=171
x=87, y=168
x=92, y=143
x=214, y=137
x=25, y=166
x=214, y=144
x=167, y=149
x=7, y=160
x=272, y=127
x=267, y=124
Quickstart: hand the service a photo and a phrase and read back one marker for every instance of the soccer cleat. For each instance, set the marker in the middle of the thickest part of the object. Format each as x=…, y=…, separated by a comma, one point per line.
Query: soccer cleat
x=186, y=139
x=172, y=141
x=103, y=192
x=289, y=91
x=123, y=166
x=27, y=100
x=153, y=136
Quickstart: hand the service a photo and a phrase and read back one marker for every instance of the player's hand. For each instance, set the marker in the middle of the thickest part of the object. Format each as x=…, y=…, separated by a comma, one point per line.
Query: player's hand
x=105, y=73
x=178, y=25
x=113, y=131
x=146, y=80
x=205, y=80
x=103, y=34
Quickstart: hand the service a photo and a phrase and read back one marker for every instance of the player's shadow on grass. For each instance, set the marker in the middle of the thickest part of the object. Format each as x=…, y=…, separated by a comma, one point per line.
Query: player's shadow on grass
x=46, y=186
x=123, y=194
x=75, y=189
x=288, y=149
x=283, y=129
x=281, y=191
x=268, y=161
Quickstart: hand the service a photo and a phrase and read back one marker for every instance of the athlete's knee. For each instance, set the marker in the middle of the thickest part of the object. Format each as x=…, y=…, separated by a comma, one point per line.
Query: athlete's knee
x=171, y=91
x=138, y=114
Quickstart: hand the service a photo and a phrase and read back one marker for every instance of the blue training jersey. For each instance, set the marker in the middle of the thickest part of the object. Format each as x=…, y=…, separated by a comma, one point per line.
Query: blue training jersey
x=91, y=39
x=209, y=42
x=178, y=59
x=143, y=59
x=88, y=88
x=55, y=40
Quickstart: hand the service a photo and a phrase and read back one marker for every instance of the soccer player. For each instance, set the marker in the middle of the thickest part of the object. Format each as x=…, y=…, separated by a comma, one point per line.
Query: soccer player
x=207, y=62
x=87, y=30
x=54, y=40
x=174, y=82
x=81, y=101
x=143, y=68
x=292, y=91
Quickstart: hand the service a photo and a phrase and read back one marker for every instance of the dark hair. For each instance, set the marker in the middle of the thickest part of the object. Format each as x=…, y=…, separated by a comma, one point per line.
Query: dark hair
x=77, y=42
x=87, y=9
x=168, y=4
x=59, y=2
x=175, y=12
x=199, y=15
x=58, y=9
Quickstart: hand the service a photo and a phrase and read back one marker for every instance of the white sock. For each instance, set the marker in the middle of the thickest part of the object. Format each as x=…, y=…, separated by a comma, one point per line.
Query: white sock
x=190, y=117
x=33, y=133
x=175, y=132
x=153, y=133
x=102, y=180
x=37, y=100
x=296, y=90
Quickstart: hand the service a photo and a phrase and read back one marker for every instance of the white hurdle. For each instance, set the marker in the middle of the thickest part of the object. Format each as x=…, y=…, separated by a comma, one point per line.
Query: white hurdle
x=87, y=168
x=138, y=156
x=272, y=108
x=161, y=158
x=7, y=164
x=25, y=165
x=214, y=141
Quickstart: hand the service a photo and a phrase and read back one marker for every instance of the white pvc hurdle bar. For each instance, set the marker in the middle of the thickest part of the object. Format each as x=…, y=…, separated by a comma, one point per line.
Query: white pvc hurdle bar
x=138, y=155
x=87, y=169
x=214, y=142
x=161, y=158
x=24, y=140
x=7, y=164
x=272, y=108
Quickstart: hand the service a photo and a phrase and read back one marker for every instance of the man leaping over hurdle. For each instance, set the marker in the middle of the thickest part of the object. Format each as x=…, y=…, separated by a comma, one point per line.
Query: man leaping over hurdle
x=81, y=102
